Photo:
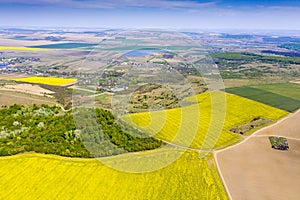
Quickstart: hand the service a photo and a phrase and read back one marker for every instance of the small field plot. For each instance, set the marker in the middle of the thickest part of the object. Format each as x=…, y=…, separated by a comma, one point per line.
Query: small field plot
x=26, y=88
x=285, y=96
x=46, y=80
x=8, y=98
x=10, y=48
x=291, y=90
x=204, y=124
x=34, y=176
x=64, y=46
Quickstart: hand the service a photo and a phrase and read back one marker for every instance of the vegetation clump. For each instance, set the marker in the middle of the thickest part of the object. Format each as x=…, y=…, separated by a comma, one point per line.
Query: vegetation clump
x=254, y=123
x=279, y=143
x=244, y=65
x=154, y=97
x=46, y=129
x=63, y=95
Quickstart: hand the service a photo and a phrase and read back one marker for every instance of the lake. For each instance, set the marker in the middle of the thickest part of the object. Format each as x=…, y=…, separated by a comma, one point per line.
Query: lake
x=141, y=53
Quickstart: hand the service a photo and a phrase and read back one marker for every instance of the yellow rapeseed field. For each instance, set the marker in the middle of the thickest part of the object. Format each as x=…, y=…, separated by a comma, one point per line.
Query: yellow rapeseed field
x=190, y=176
x=204, y=124
x=10, y=48
x=38, y=176
x=45, y=80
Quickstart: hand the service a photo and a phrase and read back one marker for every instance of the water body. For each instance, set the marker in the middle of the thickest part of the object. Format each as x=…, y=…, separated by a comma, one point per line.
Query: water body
x=22, y=37
x=2, y=66
x=141, y=53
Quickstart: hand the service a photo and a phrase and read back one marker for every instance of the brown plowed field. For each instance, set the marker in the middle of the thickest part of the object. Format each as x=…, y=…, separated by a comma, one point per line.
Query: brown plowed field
x=253, y=170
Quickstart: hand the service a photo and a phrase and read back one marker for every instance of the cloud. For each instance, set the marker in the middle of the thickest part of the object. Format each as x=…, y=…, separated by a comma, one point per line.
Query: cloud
x=116, y=3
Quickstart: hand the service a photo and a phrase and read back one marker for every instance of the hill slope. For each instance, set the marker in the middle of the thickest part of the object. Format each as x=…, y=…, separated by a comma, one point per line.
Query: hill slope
x=201, y=125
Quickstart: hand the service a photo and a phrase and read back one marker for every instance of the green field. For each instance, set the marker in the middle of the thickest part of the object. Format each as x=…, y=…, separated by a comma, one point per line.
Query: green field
x=174, y=48
x=291, y=90
x=64, y=45
x=37, y=176
x=285, y=96
x=203, y=124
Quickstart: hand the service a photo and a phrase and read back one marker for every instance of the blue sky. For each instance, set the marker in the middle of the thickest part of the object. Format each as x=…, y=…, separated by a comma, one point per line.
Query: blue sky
x=174, y=14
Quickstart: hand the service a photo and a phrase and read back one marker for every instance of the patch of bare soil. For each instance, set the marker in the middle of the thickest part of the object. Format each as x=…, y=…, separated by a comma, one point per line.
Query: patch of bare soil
x=27, y=88
x=20, y=43
x=8, y=98
x=296, y=81
x=289, y=127
x=253, y=170
x=6, y=76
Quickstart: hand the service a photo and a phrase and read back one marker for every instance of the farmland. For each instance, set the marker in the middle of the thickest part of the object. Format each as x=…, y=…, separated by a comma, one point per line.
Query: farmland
x=33, y=176
x=265, y=173
x=285, y=96
x=11, y=48
x=77, y=146
x=64, y=46
x=190, y=125
x=26, y=88
x=291, y=90
x=151, y=48
x=46, y=80
x=8, y=98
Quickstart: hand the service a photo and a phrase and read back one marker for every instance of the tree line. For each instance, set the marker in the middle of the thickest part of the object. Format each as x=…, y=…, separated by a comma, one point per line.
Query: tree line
x=78, y=133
